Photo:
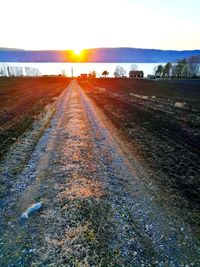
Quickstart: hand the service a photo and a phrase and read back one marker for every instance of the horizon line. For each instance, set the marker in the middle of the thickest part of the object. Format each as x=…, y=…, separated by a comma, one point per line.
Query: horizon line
x=93, y=48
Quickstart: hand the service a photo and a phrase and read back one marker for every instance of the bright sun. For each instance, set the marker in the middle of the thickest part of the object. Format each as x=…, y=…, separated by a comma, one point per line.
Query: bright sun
x=77, y=51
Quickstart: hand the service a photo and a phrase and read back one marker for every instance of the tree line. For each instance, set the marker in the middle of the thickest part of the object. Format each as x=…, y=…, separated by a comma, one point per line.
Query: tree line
x=18, y=71
x=183, y=69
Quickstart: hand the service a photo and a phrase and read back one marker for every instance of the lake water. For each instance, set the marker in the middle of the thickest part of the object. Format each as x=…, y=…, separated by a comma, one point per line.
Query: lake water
x=78, y=68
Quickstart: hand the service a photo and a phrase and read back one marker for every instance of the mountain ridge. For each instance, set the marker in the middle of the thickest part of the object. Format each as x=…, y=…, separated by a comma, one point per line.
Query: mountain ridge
x=97, y=55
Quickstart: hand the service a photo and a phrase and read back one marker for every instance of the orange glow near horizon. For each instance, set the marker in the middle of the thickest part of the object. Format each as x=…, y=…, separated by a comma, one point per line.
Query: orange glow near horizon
x=76, y=55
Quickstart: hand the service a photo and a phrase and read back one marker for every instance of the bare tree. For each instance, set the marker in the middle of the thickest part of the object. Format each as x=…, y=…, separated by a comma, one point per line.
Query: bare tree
x=194, y=66
x=119, y=72
x=3, y=70
x=194, y=70
x=7, y=70
x=29, y=71
x=93, y=74
x=63, y=72
x=133, y=67
x=15, y=71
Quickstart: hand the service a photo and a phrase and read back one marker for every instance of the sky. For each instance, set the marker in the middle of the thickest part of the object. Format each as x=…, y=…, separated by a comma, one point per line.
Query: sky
x=79, y=24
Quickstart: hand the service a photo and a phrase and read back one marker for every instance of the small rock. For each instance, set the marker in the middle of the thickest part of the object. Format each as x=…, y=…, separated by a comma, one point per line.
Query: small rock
x=31, y=209
x=31, y=250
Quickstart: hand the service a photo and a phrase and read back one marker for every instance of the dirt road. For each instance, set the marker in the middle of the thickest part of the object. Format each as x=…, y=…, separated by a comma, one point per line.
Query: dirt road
x=99, y=208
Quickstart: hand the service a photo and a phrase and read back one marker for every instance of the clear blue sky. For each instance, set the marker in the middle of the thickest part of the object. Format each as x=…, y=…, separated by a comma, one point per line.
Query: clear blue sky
x=77, y=24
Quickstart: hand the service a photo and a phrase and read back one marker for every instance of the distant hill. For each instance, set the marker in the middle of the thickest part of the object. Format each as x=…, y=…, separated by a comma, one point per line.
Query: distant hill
x=9, y=48
x=194, y=59
x=107, y=55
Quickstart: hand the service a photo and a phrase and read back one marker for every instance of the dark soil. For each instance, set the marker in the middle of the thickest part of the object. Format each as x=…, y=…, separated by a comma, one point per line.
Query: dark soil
x=165, y=137
x=21, y=101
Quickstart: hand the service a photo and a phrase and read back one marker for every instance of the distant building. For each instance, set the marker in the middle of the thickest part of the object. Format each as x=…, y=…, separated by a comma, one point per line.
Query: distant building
x=136, y=74
x=83, y=75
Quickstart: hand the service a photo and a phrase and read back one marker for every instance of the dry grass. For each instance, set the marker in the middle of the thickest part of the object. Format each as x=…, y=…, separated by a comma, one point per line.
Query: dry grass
x=80, y=188
x=75, y=225
x=65, y=247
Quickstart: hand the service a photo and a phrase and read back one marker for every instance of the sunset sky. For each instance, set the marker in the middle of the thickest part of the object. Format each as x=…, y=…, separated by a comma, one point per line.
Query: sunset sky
x=78, y=24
